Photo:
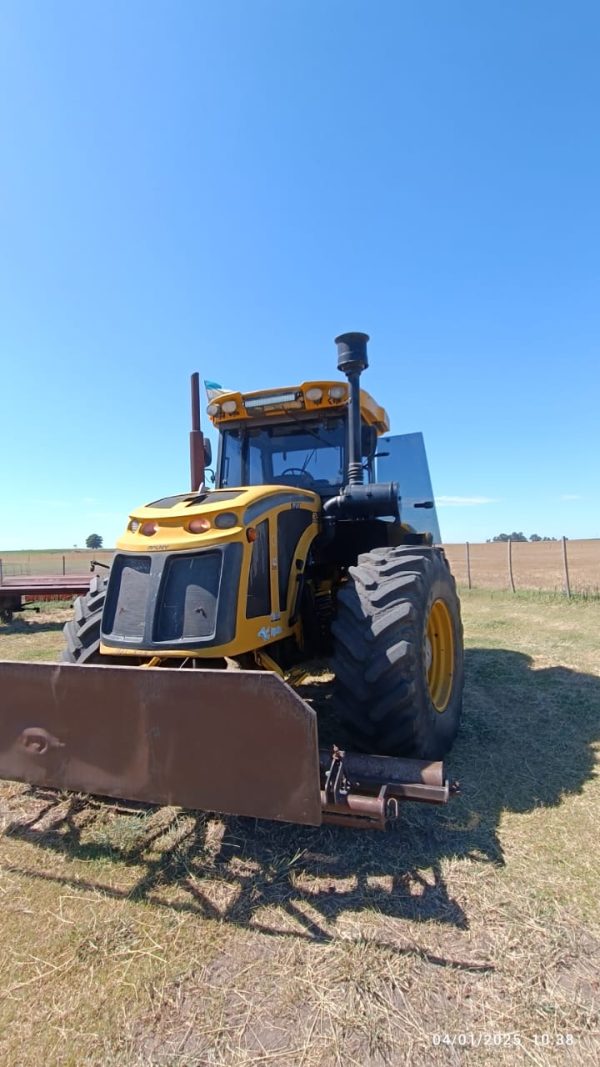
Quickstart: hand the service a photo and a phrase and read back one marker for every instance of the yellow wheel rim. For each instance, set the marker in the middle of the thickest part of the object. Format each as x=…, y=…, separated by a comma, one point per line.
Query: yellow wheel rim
x=439, y=655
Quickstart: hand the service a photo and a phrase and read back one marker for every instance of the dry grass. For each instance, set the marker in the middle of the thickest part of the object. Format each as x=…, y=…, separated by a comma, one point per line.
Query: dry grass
x=140, y=936
x=36, y=633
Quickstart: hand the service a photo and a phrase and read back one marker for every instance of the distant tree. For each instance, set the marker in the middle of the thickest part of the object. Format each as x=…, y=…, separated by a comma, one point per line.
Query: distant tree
x=510, y=537
x=514, y=536
x=93, y=541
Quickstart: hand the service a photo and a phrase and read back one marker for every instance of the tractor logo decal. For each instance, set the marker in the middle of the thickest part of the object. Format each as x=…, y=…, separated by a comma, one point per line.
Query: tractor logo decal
x=269, y=631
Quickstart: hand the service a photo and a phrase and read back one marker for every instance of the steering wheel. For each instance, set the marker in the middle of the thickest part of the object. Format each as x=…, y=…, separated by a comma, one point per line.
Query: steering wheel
x=305, y=476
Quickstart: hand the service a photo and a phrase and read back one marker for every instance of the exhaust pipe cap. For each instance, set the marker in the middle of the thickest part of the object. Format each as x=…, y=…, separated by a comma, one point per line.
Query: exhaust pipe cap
x=352, y=352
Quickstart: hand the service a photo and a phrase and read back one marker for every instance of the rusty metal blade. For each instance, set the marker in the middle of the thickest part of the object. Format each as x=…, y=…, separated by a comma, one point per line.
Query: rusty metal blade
x=240, y=742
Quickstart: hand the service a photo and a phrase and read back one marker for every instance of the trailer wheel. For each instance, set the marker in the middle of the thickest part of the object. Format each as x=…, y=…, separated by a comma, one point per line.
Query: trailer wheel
x=398, y=657
x=82, y=632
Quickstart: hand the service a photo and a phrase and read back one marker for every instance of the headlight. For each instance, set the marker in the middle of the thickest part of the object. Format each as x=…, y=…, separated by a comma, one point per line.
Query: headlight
x=229, y=407
x=314, y=394
x=134, y=525
x=149, y=528
x=213, y=409
x=337, y=392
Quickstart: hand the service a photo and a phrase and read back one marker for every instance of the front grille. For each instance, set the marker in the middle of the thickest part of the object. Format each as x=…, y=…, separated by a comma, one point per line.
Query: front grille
x=187, y=603
x=165, y=601
x=125, y=611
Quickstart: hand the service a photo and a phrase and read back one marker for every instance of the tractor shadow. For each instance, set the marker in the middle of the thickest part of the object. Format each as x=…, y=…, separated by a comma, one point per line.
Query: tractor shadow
x=525, y=742
x=22, y=626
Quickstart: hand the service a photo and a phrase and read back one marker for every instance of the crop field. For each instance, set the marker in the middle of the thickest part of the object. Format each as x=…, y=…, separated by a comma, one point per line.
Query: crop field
x=133, y=936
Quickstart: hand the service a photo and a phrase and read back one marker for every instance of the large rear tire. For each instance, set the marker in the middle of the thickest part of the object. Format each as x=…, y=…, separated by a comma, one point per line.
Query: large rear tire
x=398, y=657
x=82, y=632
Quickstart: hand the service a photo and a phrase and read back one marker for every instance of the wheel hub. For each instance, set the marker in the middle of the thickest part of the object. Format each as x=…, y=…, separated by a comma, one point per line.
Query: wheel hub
x=439, y=655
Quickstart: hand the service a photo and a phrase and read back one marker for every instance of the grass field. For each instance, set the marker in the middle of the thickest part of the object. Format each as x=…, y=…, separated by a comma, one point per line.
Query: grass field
x=163, y=937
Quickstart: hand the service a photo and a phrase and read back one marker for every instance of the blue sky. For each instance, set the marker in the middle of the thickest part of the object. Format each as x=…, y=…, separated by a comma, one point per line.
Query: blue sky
x=225, y=186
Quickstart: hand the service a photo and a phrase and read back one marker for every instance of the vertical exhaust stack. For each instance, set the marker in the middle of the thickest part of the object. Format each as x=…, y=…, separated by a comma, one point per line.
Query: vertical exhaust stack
x=357, y=500
x=352, y=360
x=196, y=438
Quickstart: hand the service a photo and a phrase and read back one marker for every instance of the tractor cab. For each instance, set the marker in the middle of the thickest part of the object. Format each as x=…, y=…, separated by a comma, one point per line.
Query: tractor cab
x=296, y=437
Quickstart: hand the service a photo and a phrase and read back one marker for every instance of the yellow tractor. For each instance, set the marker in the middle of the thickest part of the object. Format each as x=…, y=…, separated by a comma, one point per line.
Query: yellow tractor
x=224, y=594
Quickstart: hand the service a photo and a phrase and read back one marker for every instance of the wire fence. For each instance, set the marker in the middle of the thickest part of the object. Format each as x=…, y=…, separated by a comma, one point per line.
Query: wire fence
x=559, y=566
x=77, y=561
x=570, y=567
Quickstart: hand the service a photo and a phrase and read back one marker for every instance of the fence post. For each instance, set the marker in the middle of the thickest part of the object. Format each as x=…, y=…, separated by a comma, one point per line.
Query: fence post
x=1, y=577
x=64, y=565
x=510, y=570
x=468, y=565
x=566, y=567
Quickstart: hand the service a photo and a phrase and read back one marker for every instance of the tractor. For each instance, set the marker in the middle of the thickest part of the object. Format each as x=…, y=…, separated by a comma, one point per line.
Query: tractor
x=218, y=599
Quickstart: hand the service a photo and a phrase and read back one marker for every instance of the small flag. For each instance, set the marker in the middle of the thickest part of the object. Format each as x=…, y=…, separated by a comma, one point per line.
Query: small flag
x=213, y=389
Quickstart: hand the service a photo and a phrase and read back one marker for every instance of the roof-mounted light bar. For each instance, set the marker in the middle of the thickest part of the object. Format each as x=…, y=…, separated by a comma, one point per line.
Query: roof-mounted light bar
x=271, y=400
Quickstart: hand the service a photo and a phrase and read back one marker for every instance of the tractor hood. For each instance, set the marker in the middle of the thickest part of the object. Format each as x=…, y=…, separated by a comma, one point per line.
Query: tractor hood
x=191, y=521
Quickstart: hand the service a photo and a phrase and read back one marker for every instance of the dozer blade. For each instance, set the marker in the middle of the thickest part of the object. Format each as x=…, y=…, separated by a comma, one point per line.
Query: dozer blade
x=239, y=742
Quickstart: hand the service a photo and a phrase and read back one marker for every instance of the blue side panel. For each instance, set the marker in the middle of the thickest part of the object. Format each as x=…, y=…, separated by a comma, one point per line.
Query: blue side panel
x=407, y=465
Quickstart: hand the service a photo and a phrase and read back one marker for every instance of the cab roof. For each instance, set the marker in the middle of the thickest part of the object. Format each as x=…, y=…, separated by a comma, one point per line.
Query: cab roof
x=320, y=397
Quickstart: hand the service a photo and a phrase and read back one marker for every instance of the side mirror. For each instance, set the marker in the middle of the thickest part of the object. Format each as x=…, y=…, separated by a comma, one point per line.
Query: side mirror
x=207, y=452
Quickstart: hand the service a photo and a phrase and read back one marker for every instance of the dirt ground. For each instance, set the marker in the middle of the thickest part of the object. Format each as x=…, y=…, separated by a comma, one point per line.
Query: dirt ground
x=136, y=936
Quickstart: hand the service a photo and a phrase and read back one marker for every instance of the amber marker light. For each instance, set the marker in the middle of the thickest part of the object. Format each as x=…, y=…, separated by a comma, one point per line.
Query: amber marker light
x=148, y=528
x=199, y=526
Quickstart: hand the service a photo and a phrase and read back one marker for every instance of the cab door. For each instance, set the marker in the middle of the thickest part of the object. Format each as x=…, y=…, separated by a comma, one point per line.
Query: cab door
x=406, y=463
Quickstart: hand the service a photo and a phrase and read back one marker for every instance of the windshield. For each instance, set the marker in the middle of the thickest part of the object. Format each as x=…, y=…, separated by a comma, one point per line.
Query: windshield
x=309, y=455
